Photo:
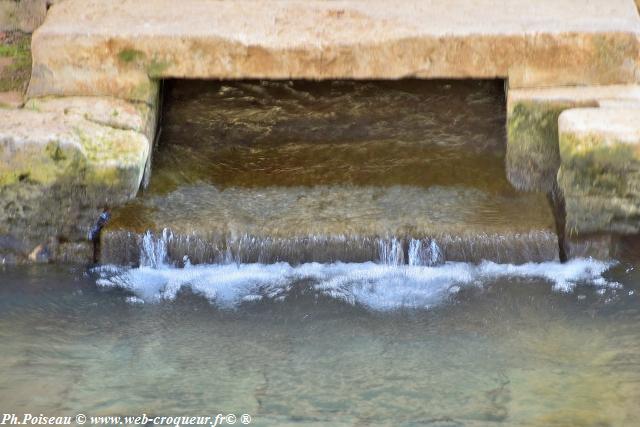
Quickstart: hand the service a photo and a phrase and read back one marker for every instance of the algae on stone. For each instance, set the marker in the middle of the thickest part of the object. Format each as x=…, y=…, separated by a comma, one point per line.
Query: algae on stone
x=532, y=149
x=130, y=55
x=600, y=171
x=16, y=49
x=532, y=127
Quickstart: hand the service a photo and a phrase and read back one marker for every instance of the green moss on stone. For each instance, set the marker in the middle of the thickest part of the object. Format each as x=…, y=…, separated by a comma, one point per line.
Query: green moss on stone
x=600, y=181
x=592, y=166
x=33, y=104
x=55, y=152
x=156, y=68
x=130, y=55
x=532, y=150
x=143, y=91
x=16, y=75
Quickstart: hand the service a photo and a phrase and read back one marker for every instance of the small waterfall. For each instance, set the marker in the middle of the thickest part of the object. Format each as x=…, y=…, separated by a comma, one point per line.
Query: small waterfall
x=391, y=251
x=168, y=247
x=153, y=251
x=425, y=254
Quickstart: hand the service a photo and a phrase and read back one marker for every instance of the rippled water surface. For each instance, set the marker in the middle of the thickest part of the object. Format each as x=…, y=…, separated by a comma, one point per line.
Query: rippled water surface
x=352, y=346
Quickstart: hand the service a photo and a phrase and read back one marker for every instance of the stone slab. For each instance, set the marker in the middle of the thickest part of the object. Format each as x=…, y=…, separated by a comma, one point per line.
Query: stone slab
x=574, y=95
x=118, y=48
x=533, y=157
x=29, y=137
x=58, y=170
x=600, y=169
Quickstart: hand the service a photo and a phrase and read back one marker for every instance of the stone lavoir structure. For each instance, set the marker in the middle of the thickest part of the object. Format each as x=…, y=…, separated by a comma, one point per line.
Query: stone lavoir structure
x=84, y=136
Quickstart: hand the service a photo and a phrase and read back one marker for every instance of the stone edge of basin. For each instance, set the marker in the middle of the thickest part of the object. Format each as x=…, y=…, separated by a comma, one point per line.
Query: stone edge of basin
x=61, y=161
x=567, y=142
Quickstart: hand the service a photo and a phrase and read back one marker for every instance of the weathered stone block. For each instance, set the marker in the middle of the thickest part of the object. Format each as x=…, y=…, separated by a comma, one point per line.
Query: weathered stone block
x=57, y=170
x=93, y=47
x=533, y=157
x=532, y=149
x=600, y=169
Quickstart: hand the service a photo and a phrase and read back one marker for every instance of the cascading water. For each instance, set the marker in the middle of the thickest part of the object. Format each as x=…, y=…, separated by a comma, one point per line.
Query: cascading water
x=367, y=192
x=421, y=253
x=153, y=251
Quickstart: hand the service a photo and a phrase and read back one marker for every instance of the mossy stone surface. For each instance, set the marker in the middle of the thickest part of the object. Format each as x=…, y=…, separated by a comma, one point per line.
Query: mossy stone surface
x=16, y=49
x=532, y=145
x=600, y=180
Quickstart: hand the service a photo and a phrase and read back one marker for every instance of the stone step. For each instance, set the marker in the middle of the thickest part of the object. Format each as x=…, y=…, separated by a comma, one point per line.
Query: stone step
x=119, y=48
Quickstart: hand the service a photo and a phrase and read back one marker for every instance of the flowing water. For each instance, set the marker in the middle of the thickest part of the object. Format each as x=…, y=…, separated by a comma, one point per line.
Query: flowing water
x=329, y=254
x=300, y=172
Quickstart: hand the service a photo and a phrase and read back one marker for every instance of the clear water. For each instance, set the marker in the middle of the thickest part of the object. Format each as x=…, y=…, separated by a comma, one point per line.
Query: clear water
x=327, y=345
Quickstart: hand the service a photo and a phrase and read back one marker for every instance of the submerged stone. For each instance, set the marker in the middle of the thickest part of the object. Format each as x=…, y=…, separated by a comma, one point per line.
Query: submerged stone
x=600, y=169
x=597, y=246
x=335, y=223
x=397, y=172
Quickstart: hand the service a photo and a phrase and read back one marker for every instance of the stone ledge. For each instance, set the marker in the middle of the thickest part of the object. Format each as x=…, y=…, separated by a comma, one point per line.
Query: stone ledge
x=600, y=169
x=46, y=146
x=111, y=112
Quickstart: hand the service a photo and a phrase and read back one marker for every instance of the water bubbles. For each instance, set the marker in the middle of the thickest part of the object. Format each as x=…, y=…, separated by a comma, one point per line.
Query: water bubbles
x=379, y=287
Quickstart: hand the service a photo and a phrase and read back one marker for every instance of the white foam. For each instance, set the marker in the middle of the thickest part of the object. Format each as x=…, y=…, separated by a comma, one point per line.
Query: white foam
x=377, y=286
